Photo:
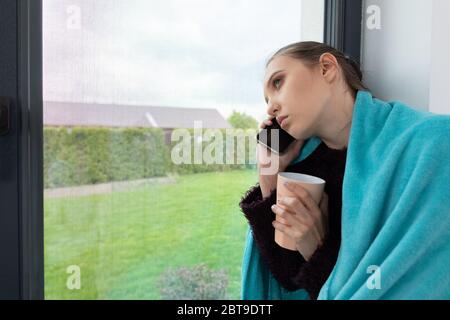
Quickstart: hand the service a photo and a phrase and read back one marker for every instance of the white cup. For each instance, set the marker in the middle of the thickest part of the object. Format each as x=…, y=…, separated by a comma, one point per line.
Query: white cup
x=314, y=185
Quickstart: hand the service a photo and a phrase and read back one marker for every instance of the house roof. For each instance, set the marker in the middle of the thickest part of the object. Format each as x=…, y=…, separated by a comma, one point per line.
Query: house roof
x=71, y=114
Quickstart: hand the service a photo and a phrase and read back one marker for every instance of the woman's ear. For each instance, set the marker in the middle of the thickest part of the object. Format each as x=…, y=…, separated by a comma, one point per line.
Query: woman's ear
x=328, y=66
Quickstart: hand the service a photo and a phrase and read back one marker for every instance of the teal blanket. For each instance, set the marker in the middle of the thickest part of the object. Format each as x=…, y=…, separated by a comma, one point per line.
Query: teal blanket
x=395, y=210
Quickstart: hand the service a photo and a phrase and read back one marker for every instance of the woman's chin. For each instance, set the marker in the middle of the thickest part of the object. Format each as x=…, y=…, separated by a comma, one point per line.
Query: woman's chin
x=299, y=136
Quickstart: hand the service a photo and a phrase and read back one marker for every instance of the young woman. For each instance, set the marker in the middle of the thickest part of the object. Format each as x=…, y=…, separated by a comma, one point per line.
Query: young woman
x=386, y=168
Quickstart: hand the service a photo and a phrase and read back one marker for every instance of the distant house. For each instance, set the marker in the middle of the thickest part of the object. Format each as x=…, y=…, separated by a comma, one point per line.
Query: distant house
x=68, y=114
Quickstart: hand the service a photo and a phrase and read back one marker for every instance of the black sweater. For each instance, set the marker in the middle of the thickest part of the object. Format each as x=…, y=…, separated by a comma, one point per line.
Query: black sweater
x=289, y=267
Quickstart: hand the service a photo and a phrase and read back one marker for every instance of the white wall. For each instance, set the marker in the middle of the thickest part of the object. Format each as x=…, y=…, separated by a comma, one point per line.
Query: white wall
x=407, y=58
x=396, y=58
x=440, y=58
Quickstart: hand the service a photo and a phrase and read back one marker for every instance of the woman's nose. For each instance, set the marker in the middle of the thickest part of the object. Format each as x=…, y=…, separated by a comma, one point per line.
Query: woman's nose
x=272, y=108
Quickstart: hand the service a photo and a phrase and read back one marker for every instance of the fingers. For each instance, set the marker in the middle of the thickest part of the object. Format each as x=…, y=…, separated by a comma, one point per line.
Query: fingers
x=284, y=217
x=282, y=213
x=283, y=221
x=305, y=203
x=267, y=122
x=298, y=217
x=288, y=230
x=296, y=206
x=280, y=226
x=303, y=195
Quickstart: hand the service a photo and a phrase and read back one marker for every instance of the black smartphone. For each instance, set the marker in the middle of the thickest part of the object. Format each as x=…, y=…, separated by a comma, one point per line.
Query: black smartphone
x=268, y=138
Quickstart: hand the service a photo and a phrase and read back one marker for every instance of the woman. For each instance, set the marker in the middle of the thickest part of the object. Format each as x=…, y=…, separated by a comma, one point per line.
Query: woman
x=387, y=168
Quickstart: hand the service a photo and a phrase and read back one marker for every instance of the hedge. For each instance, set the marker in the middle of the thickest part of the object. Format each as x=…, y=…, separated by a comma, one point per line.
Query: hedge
x=229, y=155
x=82, y=156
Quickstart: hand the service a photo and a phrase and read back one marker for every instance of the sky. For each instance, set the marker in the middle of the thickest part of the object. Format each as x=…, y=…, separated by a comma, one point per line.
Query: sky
x=196, y=53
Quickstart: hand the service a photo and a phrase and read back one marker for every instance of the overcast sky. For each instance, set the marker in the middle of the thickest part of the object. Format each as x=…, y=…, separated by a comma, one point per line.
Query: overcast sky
x=195, y=53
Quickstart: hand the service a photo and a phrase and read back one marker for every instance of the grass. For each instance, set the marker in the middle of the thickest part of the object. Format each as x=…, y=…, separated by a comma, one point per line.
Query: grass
x=123, y=241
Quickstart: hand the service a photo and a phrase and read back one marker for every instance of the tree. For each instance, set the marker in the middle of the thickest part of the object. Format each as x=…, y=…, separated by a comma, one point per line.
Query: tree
x=242, y=121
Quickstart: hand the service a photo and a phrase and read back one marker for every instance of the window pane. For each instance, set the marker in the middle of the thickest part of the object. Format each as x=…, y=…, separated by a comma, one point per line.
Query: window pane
x=124, y=219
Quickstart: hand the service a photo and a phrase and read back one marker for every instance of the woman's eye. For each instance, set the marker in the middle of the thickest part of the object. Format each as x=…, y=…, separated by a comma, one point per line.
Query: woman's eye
x=275, y=81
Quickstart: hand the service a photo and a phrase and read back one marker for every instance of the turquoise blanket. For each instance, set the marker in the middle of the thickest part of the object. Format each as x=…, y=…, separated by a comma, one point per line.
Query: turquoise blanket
x=395, y=210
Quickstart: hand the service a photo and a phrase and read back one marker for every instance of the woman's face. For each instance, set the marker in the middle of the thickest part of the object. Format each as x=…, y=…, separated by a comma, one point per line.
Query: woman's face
x=299, y=93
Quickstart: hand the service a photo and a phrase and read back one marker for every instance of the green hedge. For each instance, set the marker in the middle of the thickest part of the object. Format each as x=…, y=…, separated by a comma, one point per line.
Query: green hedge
x=82, y=156
x=228, y=164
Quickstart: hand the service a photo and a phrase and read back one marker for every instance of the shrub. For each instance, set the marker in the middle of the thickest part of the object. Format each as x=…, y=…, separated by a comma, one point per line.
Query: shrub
x=231, y=139
x=242, y=121
x=83, y=156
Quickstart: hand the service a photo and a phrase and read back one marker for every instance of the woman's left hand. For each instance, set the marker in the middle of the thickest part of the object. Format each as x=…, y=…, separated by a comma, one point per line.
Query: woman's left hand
x=303, y=220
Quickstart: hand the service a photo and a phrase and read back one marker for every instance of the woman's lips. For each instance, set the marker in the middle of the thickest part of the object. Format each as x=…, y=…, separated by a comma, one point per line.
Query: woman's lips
x=281, y=120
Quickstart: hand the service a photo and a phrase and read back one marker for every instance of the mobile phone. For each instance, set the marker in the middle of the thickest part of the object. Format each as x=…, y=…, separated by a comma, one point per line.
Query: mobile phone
x=276, y=143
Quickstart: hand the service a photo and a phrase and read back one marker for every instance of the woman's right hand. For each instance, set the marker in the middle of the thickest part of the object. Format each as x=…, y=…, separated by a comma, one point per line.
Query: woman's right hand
x=270, y=164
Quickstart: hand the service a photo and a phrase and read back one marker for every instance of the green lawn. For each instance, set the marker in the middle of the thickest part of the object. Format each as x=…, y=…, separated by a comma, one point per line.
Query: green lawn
x=123, y=241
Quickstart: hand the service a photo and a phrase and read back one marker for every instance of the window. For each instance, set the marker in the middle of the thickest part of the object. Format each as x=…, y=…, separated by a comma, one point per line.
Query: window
x=123, y=219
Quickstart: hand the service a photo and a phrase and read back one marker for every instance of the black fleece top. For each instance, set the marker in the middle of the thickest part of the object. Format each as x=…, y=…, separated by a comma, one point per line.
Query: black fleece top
x=289, y=267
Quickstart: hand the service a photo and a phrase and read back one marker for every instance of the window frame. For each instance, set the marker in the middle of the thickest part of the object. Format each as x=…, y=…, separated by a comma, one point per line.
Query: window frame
x=31, y=162
x=9, y=202
x=342, y=30
x=343, y=26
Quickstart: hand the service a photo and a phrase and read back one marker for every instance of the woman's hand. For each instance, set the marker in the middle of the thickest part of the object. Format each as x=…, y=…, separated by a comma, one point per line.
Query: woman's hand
x=302, y=219
x=270, y=164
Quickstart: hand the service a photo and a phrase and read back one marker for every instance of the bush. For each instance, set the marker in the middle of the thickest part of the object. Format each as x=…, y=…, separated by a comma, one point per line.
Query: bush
x=242, y=121
x=231, y=139
x=84, y=156
x=196, y=283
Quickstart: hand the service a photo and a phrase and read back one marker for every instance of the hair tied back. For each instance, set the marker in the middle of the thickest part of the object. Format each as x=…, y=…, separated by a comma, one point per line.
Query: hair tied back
x=355, y=65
